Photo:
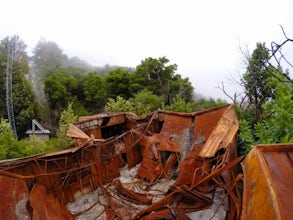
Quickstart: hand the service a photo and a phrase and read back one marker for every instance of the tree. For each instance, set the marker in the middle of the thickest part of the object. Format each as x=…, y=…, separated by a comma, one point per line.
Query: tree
x=246, y=137
x=94, y=92
x=24, y=104
x=47, y=56
x=256, y=80
x=6, y=138
x=276, y=122
x=148, y=99
x=145, y=102
x=158, y=76
x=76, y=62
x=67, y=117
x=277, y=125
x=155, y=75
x=119, y=105
x=180, y=87
x=11, y=148
x=279, y=57
x=117, y=83
x=180, y=105
x=60, y=88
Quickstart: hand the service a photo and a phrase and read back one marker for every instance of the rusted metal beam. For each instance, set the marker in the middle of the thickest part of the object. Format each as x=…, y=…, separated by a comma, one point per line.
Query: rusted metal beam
x=200, y=147
x=134, y=197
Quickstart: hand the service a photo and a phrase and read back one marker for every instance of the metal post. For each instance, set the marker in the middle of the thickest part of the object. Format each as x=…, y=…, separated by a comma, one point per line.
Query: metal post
x=9, y=97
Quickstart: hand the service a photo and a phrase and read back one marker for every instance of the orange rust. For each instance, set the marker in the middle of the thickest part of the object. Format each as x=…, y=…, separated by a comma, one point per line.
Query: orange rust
x=14, y=195
x=222, y=135
x=45, y=206
x=199, y=148
x=268, y=178
x=134, y=197
x=152, y=165
x=75, y=132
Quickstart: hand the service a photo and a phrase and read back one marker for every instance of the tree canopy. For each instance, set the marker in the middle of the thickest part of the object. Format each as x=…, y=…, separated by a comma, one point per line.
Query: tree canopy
x=118, y=83
x=47, y=56
x=159, y=76
x=55, y=89
x=256, y=80
x=24, y=105
x=268, y=117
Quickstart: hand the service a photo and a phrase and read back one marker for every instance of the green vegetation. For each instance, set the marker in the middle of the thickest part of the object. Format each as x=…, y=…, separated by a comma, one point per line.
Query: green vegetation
x=11, y=148
x=55, y=89
x=268, y=117
x=25, y=106
x=67, y=117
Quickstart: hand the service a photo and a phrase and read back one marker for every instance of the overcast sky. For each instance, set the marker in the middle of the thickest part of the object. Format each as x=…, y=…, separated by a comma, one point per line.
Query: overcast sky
x=201, y=37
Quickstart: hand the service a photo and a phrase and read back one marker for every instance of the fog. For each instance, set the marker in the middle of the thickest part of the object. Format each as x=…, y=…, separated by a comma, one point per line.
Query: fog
x=201, y=37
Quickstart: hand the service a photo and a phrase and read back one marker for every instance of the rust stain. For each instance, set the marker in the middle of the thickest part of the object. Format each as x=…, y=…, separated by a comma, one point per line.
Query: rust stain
x=222, y=135
x=196, y=150
x=45, y=206
x=14, y=195
x=268, y=178
x=134, y=197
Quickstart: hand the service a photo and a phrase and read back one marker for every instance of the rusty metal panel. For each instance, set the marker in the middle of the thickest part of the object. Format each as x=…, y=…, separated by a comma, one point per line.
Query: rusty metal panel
x=134, y=197
x=222, y=134
x=117, y=119
x=75, y=132
x=205, y=122
x=152, y=165
x=176, y=127
x=167, y=144
x=14, y=197
x=131, y=150
x=268, y=178
x=45, y=206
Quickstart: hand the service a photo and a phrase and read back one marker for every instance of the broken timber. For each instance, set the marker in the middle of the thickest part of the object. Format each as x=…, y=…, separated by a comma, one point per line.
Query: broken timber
x=198, y=150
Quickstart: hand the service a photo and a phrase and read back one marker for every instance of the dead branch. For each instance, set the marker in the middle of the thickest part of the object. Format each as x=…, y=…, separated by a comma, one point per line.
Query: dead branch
x=232, y=98
x=278, y=56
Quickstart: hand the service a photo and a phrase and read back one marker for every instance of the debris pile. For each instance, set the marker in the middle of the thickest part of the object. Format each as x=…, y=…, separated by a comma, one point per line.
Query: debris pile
x=163, y=165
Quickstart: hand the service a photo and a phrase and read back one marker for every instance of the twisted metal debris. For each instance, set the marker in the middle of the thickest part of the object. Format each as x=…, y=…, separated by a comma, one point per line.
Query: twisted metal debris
x=197, y=151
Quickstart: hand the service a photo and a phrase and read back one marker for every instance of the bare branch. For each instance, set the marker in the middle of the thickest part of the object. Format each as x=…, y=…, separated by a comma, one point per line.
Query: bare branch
x=233, y=98
x=274, y=75
x=242, y=101
x=245, y=55
x=285, y=33
x=277, y=49
x=284, y=58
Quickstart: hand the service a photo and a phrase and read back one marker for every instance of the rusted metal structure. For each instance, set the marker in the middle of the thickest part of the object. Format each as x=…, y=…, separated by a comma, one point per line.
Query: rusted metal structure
x=268, y=179
x=196, y=150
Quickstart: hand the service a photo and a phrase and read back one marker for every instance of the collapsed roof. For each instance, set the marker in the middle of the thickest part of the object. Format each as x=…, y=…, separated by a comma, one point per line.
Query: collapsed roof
x=196, y=150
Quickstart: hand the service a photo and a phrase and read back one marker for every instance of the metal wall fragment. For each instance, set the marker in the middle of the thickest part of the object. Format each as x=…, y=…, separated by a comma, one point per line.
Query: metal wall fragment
x=268, y=178
x=197, y=149
x=14, y=197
